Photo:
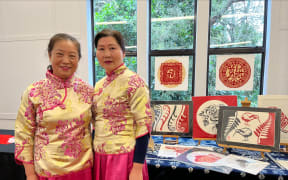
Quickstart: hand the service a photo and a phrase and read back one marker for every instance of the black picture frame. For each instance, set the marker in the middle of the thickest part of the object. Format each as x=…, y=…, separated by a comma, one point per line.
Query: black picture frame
x=230, y=124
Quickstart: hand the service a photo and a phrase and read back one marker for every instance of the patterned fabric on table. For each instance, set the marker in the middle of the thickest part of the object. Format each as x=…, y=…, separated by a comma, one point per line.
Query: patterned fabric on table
x=272, y=169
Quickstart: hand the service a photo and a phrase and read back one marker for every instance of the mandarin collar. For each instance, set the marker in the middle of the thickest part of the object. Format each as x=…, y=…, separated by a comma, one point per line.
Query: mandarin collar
x=58, y=82
x=117, y=70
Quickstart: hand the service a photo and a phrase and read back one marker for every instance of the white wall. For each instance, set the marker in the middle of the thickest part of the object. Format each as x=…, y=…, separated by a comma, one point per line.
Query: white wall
x=25, y=29
x=277, y=82
x=27, y=25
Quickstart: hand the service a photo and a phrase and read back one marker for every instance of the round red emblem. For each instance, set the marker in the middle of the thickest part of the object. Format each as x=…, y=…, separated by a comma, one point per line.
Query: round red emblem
x=234, y=72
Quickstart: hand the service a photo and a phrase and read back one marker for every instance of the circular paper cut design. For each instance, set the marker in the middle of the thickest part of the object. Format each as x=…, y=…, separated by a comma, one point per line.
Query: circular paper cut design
x=207, y=116
x=234, y=72
x=204, y=158
x=171, y=73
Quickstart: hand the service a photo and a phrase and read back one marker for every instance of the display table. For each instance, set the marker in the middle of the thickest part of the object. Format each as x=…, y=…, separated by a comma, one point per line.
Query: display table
x=9, y=170
x=167, y=168
x=161, y=168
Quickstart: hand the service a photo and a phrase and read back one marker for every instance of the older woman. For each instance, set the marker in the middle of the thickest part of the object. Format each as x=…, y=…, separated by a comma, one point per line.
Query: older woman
x=52, y=131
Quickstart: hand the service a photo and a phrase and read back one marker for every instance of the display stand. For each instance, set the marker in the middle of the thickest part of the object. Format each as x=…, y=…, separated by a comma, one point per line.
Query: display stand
x=175, y=139
x=262, y=151
x=245, y=103
x=201, y=139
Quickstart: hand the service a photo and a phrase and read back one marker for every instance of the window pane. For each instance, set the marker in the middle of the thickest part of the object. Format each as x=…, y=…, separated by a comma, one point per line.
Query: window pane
x=171, y=95
x=130, y=62
x=172, y=24
x=118, y=15
x=252, y=95
x=236, y=24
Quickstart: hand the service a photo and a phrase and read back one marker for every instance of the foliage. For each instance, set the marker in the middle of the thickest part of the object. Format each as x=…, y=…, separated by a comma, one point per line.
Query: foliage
x=115, y=11
x=176, y=32
x=237, y=23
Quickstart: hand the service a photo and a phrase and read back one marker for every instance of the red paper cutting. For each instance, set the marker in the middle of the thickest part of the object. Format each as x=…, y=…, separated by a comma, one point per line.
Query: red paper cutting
x=234, y=72
x=171, y=73
x=205, y=114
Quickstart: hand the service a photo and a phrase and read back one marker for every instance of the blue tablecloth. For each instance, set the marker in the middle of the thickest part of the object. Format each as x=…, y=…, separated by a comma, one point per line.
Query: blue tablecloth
x=272, y=170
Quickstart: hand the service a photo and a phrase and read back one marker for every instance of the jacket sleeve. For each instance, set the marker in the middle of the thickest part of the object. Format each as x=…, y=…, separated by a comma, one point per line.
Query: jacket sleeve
x=24, y=130
x=139, y=102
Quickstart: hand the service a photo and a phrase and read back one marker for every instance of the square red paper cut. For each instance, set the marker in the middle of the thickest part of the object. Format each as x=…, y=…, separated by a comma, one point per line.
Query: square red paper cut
x=171, y=73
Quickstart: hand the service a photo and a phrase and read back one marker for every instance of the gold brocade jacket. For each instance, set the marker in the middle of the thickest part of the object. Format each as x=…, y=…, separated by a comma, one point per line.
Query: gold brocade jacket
x=123, y=112
x=52, y=128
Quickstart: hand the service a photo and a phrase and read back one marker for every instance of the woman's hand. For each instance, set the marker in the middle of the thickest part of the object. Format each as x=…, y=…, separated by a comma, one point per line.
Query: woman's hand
x=136, y=172
x=32, y=177
x=30, y=171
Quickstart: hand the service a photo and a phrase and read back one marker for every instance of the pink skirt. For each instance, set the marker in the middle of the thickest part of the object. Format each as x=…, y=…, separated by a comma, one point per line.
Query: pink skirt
x=85, y=174
x=115, y=166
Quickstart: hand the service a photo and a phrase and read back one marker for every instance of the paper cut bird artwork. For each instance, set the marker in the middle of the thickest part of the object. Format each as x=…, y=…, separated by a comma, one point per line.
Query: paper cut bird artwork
x=247, y=117
x=245, y=132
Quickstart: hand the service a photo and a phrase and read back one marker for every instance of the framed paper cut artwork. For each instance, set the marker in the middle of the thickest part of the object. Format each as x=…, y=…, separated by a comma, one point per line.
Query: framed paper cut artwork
x=235, y=72
x=249, y=128
x=205, y=114
x=172, y=118
x=280, y=102
x=171, y=73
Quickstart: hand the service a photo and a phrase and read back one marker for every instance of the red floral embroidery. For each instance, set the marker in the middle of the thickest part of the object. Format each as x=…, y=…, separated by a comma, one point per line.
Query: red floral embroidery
x=72, y=133
x=84, y=90
x=124, y=149
x=40, y=141
x=115, y=112
x=48, y=96
x=134, y=83
x=113, y=76
x=148, y=120
x=100, y=148
x=19, y=148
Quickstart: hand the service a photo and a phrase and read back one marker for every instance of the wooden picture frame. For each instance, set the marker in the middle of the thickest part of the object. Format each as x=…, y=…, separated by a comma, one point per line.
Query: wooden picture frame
x=205, y=115
x=172, y=118
x=280, y=102
x=249, y=128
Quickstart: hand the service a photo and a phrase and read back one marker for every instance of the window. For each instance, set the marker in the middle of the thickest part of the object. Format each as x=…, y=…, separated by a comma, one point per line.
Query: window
x=237, y=27
x=118, y=15
x=172, y=38
x=234, y=27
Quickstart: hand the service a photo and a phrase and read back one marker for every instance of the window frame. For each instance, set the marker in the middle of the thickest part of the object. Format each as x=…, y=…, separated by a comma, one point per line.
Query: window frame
x=172, y=52
x=240, y=50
